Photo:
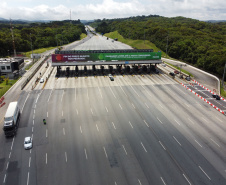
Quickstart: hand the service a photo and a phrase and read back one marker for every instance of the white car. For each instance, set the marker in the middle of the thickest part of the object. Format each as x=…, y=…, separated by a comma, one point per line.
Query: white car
x=109, y=75
x=27, y=143
x=41, y=80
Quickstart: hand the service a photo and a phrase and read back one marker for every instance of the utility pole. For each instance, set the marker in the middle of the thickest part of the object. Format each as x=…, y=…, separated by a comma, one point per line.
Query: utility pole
x=11, y=28
x=223, y=75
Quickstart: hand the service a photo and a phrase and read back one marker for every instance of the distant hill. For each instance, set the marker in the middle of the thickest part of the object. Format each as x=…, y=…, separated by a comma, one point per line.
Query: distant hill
x=215, y=21
x=200, y=43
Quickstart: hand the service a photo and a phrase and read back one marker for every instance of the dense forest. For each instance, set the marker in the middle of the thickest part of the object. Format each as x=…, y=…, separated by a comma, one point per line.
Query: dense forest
x=202, y=44
x=41, y=35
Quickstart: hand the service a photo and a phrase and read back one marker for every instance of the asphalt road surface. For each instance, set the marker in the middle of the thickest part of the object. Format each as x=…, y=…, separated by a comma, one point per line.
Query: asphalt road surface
x=136, y=130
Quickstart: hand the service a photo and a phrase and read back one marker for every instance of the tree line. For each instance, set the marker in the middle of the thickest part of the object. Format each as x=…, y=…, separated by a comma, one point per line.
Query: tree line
x=202, y=44
x=40, y=35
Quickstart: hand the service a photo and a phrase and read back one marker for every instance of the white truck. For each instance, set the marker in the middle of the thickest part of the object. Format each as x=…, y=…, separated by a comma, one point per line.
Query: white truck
x=11, y=119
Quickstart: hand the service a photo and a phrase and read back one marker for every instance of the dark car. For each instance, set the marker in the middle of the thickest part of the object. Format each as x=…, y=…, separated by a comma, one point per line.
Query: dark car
x=188, y=78
x=176, y=72
x=214, y=95
x=171, y=73
x=111, y=78
x=218, y=97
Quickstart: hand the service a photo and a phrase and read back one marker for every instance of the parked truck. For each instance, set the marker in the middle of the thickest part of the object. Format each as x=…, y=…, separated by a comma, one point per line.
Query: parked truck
x=11, y=119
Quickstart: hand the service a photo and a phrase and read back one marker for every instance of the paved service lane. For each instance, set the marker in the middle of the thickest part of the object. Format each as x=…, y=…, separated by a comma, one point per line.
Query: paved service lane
x=138, y=129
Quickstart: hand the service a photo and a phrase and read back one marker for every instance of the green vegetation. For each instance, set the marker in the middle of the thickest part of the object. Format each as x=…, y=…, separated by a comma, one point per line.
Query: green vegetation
x=199, y=43
x=42, y=35
x=41, y=50
x=178, y=68
x=5, y=85
x=82, y=36
x=138, y=44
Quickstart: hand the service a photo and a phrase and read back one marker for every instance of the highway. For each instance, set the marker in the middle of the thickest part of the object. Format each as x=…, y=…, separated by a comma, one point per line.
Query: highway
x=135, y=130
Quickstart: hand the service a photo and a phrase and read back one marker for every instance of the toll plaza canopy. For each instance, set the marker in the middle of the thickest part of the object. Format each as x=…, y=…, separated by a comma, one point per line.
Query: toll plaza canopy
x=105, y=57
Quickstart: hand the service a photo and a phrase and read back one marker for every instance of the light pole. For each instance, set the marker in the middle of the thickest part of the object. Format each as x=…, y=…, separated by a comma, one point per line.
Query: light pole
x=223, y=75
x=166, y=45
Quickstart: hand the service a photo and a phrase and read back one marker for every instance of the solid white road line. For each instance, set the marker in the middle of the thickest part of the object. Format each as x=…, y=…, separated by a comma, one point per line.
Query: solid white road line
x=198, y=143
x=191, y=121
x=187, y=179
x=24, y=103
x=139, y=181
x=105, y=152
x=29, y=162
x=143, y=147
x=4, y=179
x=130, y=124
x=120, y=106
x=12, y=143
x=123, y=90
x=162, y=145
x=50, y=95
x=204, y=173
x=219, y=119
x=113, y=125
x=97, y=128
x=112, y=92
x=66, y=156
x=215, y=142
x=80, y=129
x=46, y=158
x=177, y=140
x=100, y=92
x=146, y=123
x=177, y=122
x=159, y=120
x=135, y=91
x=106, y=108
x=28, y=178
x=85, y=153
x=62, y=96
x=163, y=181
x=46, y=132
x=124, y=149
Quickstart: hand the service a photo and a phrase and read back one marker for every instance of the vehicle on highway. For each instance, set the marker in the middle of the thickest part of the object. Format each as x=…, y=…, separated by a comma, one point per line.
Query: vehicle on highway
x=27, y=143
x=163, y=64
x=44, y=121
x=111, y=78
x=176, y=72
x=11, y=119
x=109, y=75
x=171, y=73
x=218, y=97
x=188, y=78
x=41, y=80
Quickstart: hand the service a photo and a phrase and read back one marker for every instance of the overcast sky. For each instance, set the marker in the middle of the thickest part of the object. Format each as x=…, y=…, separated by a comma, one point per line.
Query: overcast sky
x=99, y=9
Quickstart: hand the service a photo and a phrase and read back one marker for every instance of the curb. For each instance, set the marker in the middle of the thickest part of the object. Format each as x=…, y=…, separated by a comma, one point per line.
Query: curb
x=209, y=90
x=224, y=113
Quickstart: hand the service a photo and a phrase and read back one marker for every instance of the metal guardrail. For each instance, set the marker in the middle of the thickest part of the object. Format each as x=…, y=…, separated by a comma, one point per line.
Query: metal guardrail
x=32, y=74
